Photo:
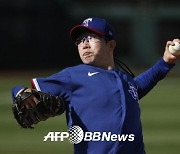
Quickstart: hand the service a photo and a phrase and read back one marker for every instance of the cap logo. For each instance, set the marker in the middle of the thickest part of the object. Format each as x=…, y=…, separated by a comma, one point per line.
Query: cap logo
x=86, y=22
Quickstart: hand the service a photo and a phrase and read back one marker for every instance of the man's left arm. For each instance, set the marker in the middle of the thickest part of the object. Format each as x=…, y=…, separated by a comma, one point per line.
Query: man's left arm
x=148, y=79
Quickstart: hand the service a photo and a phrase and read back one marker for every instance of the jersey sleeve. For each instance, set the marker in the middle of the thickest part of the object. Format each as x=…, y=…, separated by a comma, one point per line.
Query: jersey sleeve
x=15, y=90
x=56, y=84
x=148, y=79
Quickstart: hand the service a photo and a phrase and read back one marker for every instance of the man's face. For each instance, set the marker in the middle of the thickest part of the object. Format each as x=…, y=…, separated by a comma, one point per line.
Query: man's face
x=92, y=48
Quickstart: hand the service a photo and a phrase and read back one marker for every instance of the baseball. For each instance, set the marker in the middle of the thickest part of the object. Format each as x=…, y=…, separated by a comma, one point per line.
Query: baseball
x=175, y=49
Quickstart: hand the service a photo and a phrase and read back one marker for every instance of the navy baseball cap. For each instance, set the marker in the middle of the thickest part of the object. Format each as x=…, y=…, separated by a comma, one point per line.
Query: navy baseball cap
x=96, y=25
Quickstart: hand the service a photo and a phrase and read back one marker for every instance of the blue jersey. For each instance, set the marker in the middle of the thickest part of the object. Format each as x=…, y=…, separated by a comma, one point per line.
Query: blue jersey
x=101, y=100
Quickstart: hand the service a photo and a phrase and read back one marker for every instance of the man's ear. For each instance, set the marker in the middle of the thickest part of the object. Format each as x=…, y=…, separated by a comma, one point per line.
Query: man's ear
x=112, y=44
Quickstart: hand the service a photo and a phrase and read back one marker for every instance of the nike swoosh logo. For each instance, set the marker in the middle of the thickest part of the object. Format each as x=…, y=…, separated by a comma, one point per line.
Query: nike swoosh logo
x=91, y=74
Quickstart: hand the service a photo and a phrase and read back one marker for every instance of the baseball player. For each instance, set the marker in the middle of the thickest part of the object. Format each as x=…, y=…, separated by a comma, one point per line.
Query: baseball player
x=95, y=95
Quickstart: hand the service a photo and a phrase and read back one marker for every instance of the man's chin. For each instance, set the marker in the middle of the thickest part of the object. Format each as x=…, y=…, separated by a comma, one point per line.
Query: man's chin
x=88, y=61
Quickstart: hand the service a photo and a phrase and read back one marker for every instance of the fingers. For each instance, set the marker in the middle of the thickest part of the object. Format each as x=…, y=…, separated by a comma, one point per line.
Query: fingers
x=172, y=42
x=168, y=56
x=169, y=43
x=176, y=40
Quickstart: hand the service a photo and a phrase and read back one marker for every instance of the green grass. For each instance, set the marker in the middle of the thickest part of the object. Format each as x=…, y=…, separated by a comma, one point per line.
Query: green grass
x=160, y=114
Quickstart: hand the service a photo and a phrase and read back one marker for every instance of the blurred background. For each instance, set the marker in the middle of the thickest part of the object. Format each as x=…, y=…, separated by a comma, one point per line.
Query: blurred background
x=34, y=41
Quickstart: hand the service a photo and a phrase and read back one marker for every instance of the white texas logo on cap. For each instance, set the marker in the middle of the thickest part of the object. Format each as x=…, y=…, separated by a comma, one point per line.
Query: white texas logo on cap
x=86, y=21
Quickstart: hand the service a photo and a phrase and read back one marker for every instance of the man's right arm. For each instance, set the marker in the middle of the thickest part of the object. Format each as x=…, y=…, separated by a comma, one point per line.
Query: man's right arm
x=148, y=79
